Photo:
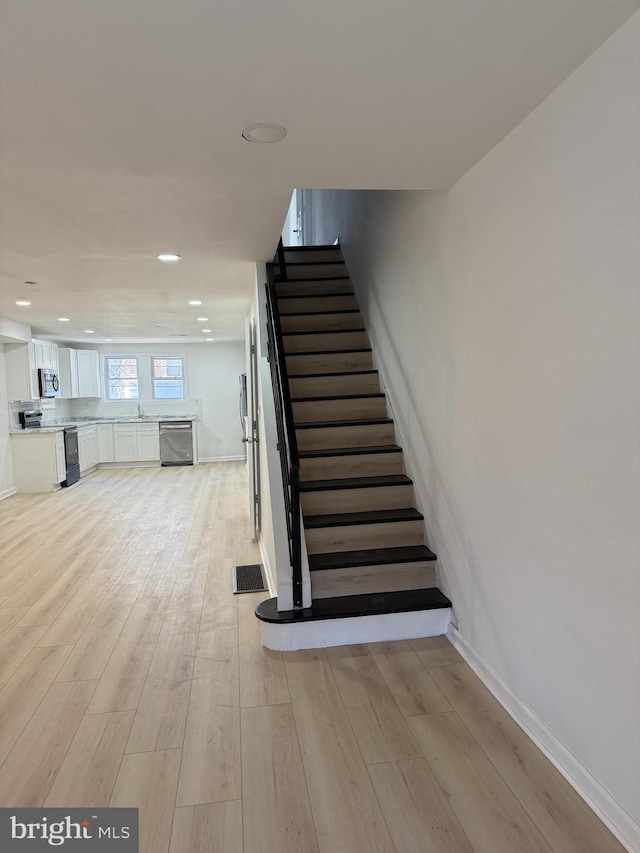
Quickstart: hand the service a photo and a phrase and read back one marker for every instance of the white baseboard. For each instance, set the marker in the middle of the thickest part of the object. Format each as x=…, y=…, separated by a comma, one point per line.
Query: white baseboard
x=221, y=459
x=609, y=810
x=288, y=637
x=7, y=493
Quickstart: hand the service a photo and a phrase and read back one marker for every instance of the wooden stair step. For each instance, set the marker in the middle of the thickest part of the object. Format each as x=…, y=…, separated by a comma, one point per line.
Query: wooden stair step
x=357, y=518
x=331, y=362
x=323, y=497
x=376, y=578
x=373, y=529
x=370, y=604
x=328, y=321
x=317, y=270
x=337, y=340
x=314, y=287
x=371, y=557
x=351, y=462
x=334, y=424
x=348, y=433
x=345, y=397
x=317, y=303
x=356, y=483
x=331, y=384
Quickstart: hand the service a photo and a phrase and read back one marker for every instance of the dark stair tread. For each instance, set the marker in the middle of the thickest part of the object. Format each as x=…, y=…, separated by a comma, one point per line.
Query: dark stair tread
x=329, y=352
x=323, y=295
x=323, y=332
x=370, y=604
x=320, y=314
x=350, y=451
x=333, y=247
x=374, y=516
x=338, y=396
x=343, y=423
x=312, y=263
x=372, y=557
x=340, y=373
x=355, y=483
x=315, y=278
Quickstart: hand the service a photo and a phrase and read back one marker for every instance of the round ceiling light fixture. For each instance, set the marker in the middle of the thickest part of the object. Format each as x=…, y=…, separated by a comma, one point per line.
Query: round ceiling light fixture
x=168, y=257
x=22, y=303
x=208, y=339
x=264, y=132
x=195, y=302
x=64, y=319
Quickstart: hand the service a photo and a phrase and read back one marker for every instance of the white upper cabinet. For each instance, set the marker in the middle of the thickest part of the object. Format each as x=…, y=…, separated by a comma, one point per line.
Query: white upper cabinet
x=22, y=374
x=88, y=373
x=79, y=373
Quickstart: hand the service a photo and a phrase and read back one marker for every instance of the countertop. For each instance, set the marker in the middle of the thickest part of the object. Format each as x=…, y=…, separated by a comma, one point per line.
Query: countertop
x=58, y=426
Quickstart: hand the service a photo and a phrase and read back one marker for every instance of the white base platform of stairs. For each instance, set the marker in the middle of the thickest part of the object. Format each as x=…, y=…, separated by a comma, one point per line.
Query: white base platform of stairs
x=290, y=636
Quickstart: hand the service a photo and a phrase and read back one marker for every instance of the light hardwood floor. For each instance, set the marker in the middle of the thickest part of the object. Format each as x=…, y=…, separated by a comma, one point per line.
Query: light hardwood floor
x=130, y=675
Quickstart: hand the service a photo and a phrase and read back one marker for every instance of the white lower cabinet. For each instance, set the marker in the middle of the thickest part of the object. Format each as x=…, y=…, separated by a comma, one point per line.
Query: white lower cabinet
x=38, y=461
x=87, y=447
x=136, y=442
x=148, y=442
x=105, y=443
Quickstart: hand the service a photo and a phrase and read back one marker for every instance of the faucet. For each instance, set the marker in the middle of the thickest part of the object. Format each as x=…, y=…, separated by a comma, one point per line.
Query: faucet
x=139, y=411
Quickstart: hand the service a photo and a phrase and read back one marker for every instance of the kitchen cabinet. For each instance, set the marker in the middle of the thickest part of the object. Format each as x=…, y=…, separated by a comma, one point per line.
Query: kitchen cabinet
x=45, y=354
x=87, y=448
x=89, y=384
x=136, y=442
x=148, y=442
x=68, y=366
x=105, y=443
x=79, y=373
x=21, y=372
x=38, y=461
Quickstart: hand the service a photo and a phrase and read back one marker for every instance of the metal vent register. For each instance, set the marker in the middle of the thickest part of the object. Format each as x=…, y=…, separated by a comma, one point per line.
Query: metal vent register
x=248, y=578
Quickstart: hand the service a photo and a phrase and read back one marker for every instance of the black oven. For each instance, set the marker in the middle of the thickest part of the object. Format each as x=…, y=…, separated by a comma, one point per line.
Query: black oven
x=71, y=456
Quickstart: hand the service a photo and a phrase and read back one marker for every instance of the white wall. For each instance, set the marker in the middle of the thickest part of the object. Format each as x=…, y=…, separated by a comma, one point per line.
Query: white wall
x=505, y=315
x=212, y=372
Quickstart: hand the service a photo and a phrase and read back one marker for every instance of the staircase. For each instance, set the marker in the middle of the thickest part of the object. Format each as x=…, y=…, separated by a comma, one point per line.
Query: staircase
x=365, y=538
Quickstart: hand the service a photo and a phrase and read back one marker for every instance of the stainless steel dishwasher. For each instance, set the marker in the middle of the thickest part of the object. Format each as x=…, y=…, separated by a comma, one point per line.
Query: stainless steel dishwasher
x=176, y=443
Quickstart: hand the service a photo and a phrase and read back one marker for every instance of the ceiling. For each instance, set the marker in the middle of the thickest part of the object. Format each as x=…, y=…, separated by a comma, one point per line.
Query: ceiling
x=121, y=122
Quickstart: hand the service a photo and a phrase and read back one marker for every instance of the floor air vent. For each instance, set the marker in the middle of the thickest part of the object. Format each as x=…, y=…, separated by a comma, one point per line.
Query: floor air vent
x=248, y=579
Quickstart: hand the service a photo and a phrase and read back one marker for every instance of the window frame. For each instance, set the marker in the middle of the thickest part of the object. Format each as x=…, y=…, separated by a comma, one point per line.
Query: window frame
x=107, y=379
x=182, y=377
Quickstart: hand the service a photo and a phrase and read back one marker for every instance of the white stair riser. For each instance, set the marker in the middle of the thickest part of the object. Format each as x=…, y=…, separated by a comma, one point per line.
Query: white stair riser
x=317, y=271
x=348, y=631
x=324, y=438
x=303, y=288
x=320, y=322
x=293, y=255
x=317, y=304
x=360, y=465
x=314, y=411
x=356, y=537
x=317, y=386
x=394, y=577
x=329, y=341
x=330, y=501
x=339, y=362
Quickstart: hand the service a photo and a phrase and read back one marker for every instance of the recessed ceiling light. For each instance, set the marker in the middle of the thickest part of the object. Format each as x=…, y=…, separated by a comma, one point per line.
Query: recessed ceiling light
x=168, y=257
x=195, y=302
x=108, y=340
x=208, y=339
x=63, y=319
x=89, y=332
x=22, y=303
x=264, y=132
x=206, y=330
x=202, y=319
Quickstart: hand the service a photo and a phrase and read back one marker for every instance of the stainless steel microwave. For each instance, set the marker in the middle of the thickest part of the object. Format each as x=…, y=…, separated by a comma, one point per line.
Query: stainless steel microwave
x=49, y=382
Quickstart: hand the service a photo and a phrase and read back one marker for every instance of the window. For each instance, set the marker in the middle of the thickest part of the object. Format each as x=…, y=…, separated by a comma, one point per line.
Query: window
x=121, y=379
x=167, y=378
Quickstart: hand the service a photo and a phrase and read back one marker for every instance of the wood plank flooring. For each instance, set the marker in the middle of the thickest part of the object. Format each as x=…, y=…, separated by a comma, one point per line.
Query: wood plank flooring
x=130, y=675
